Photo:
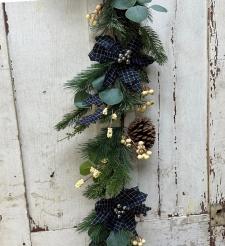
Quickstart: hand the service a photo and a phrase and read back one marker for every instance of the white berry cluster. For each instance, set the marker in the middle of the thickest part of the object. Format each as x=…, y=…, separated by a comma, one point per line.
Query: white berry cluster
x=139, y=241
x=92, y=17
x=143, y=107
x=142, y=152
x=126, y=141
x=147, y=92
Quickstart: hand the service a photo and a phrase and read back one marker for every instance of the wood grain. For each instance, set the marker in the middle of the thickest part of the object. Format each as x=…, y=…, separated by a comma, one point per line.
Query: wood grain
x=176, y=176
x=217, y=113
x=14, y=224
x=49, y=43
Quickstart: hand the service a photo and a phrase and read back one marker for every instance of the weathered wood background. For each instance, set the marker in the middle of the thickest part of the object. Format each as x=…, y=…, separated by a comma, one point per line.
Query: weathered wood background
x=45, y=43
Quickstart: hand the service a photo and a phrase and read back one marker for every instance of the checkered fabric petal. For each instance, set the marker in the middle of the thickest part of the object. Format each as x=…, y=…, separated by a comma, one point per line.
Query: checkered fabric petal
x=142, y=60
x=111, y=76
x=106, y=49
x=87, y=120
x=127, y=222
x=93, y=100
x=135, y=45
x=132, y=199
x=141, y=209
x=130, y=77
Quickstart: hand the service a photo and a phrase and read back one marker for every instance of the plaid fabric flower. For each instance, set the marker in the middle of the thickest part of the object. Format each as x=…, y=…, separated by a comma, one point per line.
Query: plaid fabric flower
x=92, y=118
x=119, y=213
x=126, y=63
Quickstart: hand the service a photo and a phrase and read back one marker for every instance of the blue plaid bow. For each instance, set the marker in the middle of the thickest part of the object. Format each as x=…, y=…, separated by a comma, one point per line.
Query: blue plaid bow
x=119, y=213
x=126, y=63
x=92, y=118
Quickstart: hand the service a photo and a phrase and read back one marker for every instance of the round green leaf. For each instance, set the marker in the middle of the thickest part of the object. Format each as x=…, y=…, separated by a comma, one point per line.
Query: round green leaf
x=123, y=4
x=85, y=167
x=98, y=83
x=111, y=96
x=137, y=13
x=143, y=1
x=119, y=238
x=79, y=98
x=158, y=8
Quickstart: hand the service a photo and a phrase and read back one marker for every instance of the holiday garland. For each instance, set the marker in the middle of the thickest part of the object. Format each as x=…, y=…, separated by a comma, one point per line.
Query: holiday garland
x=105, y=92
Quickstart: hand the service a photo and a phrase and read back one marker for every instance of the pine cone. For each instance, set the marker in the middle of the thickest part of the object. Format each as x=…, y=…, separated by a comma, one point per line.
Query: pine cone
x=142, y=129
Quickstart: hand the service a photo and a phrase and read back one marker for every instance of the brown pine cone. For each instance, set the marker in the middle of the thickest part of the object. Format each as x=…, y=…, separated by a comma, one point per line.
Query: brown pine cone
x=142, y=129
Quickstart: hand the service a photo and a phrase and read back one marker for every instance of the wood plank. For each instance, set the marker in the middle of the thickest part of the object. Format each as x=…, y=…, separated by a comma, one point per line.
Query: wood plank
x=217, y=112
x=66, y=237
x=177, y=231
x=183, y=231
x=14, y=224
x=49, y=43
x=218, y=236
x=216, y=97
x=176, y=176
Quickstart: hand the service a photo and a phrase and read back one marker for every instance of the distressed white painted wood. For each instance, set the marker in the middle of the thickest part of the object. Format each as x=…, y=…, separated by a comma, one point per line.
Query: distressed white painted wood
x=177, y=231
x=48, y=43
x=49, y=46
x=176, y=176
x=66, y=237
x=14, y=225
x=216, y=111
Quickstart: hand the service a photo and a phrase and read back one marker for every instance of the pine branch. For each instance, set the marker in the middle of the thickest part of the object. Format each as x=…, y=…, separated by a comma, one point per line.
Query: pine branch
x=82, y=82
x=98, y=234
x=152, y=44
x=115, y=174
x=71, y=118
x=87, y=222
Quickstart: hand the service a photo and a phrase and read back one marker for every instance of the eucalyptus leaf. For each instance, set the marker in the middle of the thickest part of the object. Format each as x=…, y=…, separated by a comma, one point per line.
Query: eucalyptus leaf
x=85, y=167
x=98, y=83
x=79, y=98
x=121, y=238
x=123, y=4
x=158, y=8
x=143, y=1
x=137, y=13
x=111, y=96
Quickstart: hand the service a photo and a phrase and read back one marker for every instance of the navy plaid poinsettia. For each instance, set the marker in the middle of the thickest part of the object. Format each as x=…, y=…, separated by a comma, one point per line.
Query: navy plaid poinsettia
x=126, y=63
x=92, y=118
x=119, y=213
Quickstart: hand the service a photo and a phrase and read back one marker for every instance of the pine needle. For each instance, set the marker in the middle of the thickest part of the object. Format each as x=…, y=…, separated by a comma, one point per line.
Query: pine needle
x=152, y=44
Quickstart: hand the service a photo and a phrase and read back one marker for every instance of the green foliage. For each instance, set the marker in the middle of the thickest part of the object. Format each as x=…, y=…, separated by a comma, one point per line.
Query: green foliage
x=98, y=234
x=85, y=167
x=79, y=98
x=71, y=118
x=143, y=1
x=152, y=44
x=98, y=83
x=111, y=96
x=137, y=13
x=87, y=222
x=158, y=8
x=121, y=238
x=115, y=173
x=83, y=81
x=125, y=4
